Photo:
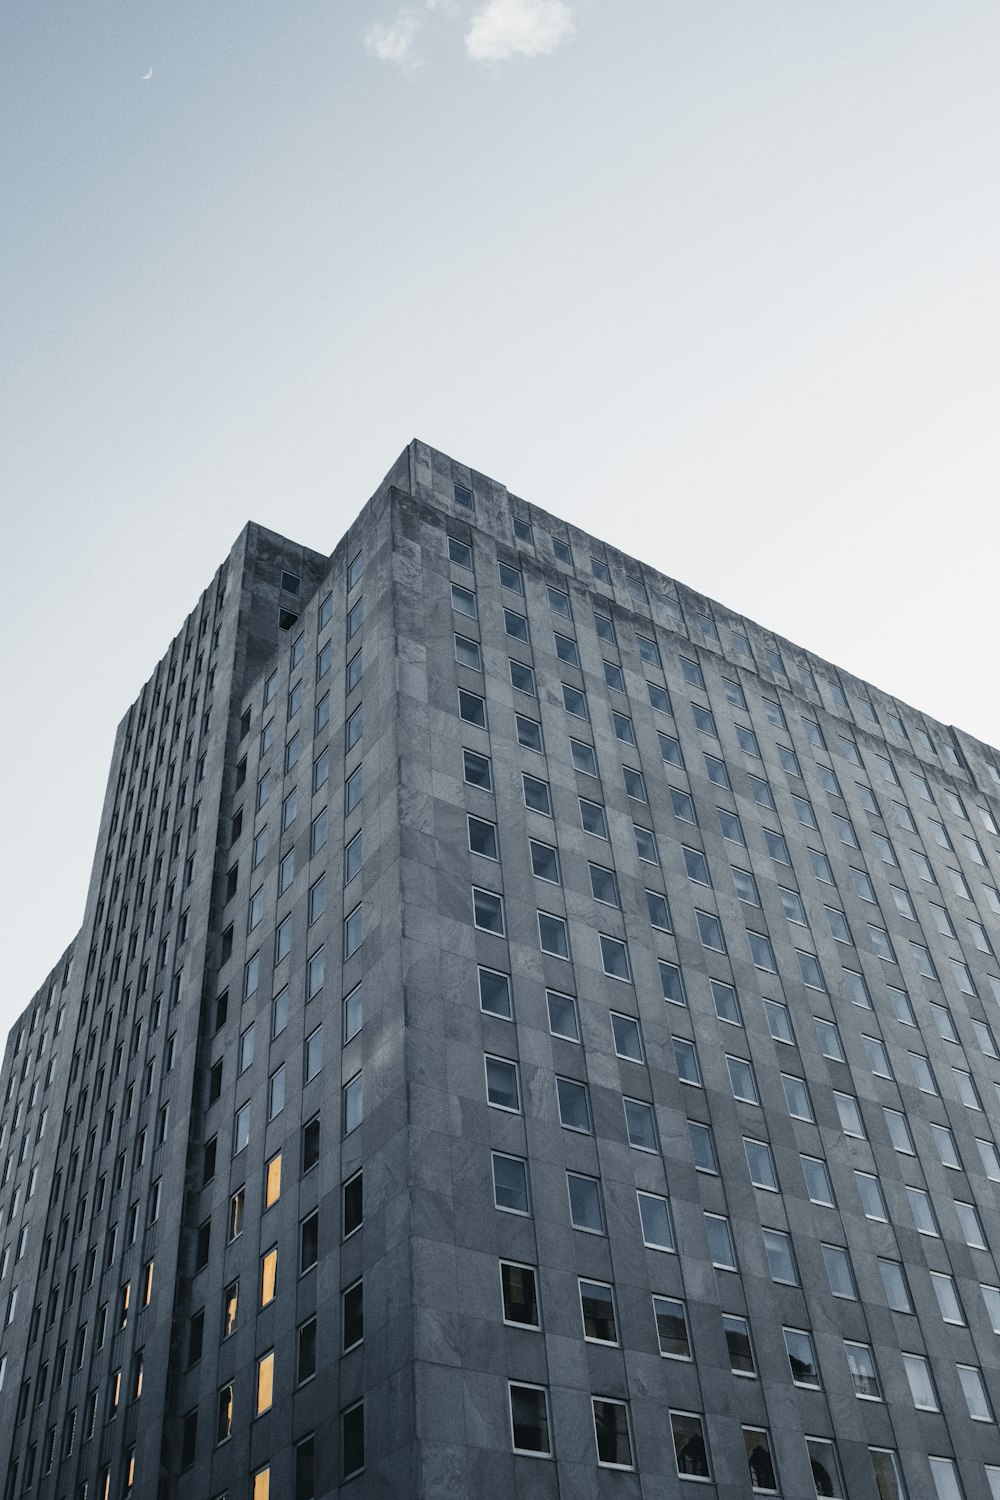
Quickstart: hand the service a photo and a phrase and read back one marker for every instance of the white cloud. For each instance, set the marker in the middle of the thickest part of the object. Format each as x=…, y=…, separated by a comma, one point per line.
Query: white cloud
x=393, y=41
x=505, y=27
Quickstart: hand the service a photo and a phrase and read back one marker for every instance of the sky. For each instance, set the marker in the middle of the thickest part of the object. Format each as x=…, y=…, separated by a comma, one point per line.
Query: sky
x=713, y=279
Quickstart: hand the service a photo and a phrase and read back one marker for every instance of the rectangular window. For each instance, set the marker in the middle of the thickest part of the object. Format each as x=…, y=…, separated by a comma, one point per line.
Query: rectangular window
x=520, y=1295
x=691, y=1453
x=529, y=1420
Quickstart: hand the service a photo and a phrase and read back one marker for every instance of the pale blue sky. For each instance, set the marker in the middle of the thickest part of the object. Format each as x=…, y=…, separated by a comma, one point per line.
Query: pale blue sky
x=717, y=280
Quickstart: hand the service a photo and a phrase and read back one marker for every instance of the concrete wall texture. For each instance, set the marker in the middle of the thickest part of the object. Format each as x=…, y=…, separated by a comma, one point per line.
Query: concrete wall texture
x=532, y=1032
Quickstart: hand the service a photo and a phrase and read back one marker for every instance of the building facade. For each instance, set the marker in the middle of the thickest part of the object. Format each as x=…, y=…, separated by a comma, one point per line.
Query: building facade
x=532, y=1032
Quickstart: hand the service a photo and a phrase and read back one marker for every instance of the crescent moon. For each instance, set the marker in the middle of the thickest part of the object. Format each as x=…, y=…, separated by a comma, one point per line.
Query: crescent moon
x=148, y=75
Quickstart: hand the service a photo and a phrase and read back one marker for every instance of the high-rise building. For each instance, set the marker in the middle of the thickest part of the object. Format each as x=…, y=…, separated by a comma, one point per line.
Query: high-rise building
x=532, y=1032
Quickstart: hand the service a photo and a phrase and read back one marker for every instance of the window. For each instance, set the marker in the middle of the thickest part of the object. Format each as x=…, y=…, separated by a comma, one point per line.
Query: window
x=738, y=1345
x=780, y=1258
x=241, y=1128
x=710, y=929
x=553, y=935
x=515, y=625
x=522, y=678
x=584, y=758
x=702, y=1147
x=888, y=1477
x=974, y=1391
x=477, y=770
x=276, y=1092
x=825, y=1467
x=494, y=994
x=597, y=1306
x=460, y=553
x=672, y=1328
x=761, y=792
x=544, y=861
x=353, y=1103
x=566, y=650
x=510, y=1184
x=696, y=865
x=670, y=749
x=353, y=1316
x=861, y=1363
x=586, y=1209
x=611, y=1429
x=727, y=1006
x=970, y=1225
x=472, y=708
x=654, y=1216
x=690, y=1448
x=779, y=1022
x=686, y=1059
x=468, y=654
x=720, y=1242
x=812, y=974
x=692, y=673
x=487, y=909
x=563, y=1019
x=838, y=1270
x=268, y=1276
x=742, y=1080
x=659, y=698
x=613, y=676
x=797, y=1097
x=520, y=1295
x=463, y=601
x=482, y=838
x=802, y=1357
x=502, y=1085
x=918, y=1373
x=559, y=603
x=947, y=1298
x=529, y=1419
x=265, y=1383
x=614, y=956
x=763, y=1479
x=575, y=701
x=603, y=885
x=640, y=1125
x=760, y=1164
x=309, y=1242
x=574, y=1105
x=352, y=1434
x=761, y=952
x=272, y=1181
x=794, y=910
x=922, y=1073
x=536, y=794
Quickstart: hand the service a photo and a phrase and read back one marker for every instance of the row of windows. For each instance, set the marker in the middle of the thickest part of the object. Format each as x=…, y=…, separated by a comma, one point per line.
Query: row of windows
x=531, y=1433
x=600, y=1322
x=460, y=553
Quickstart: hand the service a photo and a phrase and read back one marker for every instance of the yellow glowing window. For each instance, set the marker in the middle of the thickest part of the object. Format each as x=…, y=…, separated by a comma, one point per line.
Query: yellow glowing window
x=236, y=1214
x=229, y=1310
x=125, y=1295
x=265, y=1382
x=130, y=1469
x=106, y=1485
x=147, y=1285
x=262, y=1484
x=116, y=1389
x=272, y=1181
x=268, y=1276
x=138, y=1380
x=224, y=1428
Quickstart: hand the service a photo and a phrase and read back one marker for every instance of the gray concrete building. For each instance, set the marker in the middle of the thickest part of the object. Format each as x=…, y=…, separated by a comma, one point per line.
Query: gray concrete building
x=532, y=1033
